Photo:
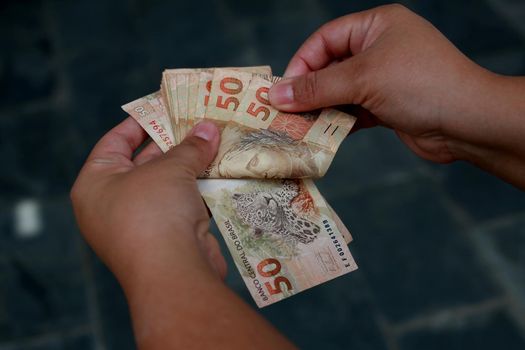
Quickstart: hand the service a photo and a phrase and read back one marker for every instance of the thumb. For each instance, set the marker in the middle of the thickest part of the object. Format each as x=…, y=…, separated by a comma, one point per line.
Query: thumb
x=330, y=86
x=198, y=149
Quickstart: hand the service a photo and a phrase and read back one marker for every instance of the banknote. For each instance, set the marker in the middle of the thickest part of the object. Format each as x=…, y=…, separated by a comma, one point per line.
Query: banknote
x=193, y=90
x=259, y=141
x=280, y=233
x=347, y=236
x=283, y=235
x=152, y=116
x=182, y=98
x=198, y=87
x=169, y=94
x=203, y=95
x=206, y=82
x=227, y=90
x=149, y=112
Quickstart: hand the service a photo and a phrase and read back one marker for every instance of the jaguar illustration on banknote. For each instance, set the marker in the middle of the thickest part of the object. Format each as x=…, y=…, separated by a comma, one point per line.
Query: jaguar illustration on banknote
x=271, y=212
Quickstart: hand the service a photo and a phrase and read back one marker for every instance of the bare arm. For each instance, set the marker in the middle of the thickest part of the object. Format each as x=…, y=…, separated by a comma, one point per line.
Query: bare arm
x=177, y=306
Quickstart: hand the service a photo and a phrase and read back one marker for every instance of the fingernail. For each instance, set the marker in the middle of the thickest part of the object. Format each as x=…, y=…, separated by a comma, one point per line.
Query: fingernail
x=281, y=93
x=205, y=130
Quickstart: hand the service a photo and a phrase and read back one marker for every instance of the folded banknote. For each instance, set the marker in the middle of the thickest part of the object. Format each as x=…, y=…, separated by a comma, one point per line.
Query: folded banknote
x=282, y=234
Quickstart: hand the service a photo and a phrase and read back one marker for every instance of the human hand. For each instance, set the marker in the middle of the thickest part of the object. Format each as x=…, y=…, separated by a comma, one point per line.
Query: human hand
x=143, y=214
x=401, y=70
x=144, y=217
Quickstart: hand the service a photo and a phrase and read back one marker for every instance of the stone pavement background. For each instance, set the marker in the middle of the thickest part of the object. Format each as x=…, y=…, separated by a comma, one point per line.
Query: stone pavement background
x=441, y=249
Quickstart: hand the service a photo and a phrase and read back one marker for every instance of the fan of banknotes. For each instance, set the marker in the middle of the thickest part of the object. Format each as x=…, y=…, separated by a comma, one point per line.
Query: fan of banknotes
x=282, y=234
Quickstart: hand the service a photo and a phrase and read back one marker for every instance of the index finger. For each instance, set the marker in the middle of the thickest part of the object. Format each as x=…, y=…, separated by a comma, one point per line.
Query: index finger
x=342, y=37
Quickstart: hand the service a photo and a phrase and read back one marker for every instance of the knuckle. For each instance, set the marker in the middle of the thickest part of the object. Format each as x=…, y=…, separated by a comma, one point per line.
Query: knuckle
x=305, y=89
x=395, y=12
x=79, y=198
x=395, y=8
x=78, y=191
x=74, y=193
x=390, y=13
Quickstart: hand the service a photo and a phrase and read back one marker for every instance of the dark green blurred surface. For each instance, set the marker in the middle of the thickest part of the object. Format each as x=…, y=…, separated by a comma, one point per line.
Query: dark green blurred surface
x=441, y=249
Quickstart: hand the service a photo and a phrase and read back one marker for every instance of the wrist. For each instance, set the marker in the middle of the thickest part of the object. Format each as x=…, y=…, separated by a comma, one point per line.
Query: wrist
x=158, y=258
x=487, y=118
x=168, y=297
x=490, y=135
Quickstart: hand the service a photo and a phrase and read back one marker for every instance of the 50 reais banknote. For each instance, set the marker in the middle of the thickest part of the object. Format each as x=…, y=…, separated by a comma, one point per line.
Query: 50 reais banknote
x=281, y=235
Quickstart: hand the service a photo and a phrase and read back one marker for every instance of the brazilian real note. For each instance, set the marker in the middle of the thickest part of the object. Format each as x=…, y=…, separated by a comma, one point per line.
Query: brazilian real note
x=258, y=141
x=281, y=234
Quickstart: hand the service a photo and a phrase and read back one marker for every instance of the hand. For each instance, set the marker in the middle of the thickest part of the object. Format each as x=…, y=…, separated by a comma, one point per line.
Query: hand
x=401, y=70
x=142, y=213
x=145, y=218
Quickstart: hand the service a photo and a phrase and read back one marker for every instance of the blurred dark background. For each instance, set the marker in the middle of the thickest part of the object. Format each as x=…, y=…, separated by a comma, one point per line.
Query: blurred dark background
x=441, y=249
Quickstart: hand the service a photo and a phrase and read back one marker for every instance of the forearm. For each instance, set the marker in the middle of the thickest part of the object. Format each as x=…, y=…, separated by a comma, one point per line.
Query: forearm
x=177, y=301
x=503, y=164
x=490, y=133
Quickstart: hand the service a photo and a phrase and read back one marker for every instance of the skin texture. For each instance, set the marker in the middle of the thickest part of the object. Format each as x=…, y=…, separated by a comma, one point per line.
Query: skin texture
x=145, y=219
x=402, y=73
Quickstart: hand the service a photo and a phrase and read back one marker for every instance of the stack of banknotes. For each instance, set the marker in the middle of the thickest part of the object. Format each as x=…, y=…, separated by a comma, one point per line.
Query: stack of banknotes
x=282, y=234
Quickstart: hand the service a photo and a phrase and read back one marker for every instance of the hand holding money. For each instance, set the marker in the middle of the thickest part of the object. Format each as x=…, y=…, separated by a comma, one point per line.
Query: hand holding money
x=168, y=264
x=131, y=225
x=405, y=75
